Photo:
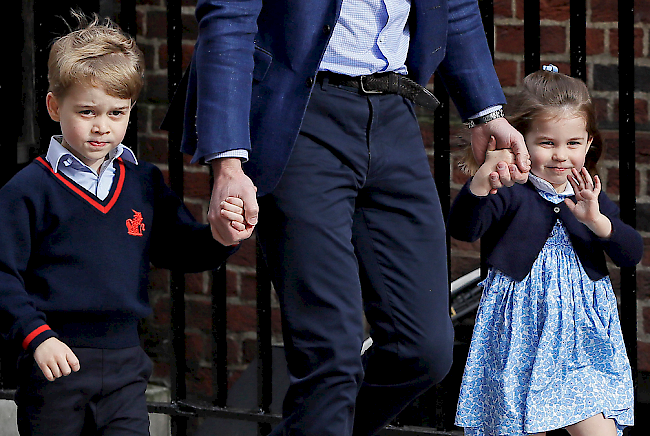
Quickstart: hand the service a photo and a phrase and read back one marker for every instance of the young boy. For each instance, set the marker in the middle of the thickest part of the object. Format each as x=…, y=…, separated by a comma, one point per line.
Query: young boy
x=80, y=226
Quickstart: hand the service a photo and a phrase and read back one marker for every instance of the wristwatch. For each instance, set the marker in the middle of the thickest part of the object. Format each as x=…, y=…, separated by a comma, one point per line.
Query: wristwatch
x=473, y=122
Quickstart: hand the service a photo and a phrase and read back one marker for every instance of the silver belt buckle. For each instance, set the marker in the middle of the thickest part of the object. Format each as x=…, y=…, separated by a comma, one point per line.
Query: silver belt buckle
x=363, y=88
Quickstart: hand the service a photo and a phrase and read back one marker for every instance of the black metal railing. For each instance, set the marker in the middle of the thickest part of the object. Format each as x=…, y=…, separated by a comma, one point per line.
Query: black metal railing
x=180, y=409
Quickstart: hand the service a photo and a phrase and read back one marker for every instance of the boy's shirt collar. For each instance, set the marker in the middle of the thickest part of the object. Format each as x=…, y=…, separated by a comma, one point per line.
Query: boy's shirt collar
x=57, y=155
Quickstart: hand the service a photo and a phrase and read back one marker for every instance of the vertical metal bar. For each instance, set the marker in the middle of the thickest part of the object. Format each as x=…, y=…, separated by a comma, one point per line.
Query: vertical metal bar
x=128, y=22
x=10, y=93
x=219, y=342
x=175, y=162
x=487, y=15
x=264, y=350
x=627, y=175
x=531, y=36
x=578, y=39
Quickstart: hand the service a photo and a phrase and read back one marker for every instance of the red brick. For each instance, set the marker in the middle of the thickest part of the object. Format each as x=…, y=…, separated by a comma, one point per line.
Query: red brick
x=507, y=71
x=246, y=255
x=642, y=147
x=638, y=42
x=199, y=382
x=600, y=104
x=197, y=185
x=248, y=291
x=503, y=8
x=241, y=318
x=646, y=260
x=557, y=10
x=156, y=24
x=162, y=310
x=195, y=346
x=604, y=11
x=553, y=39
x=595, y=41
x=198, y=313
x=510, y=39
x=195, y=284
x=642, y=12
x=519, y=13
x=152, y=150
x=232, y=283
x=643, y=280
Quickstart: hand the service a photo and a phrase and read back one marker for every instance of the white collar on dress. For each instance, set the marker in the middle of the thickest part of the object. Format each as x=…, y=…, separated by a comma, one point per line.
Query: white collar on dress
x=545, y=186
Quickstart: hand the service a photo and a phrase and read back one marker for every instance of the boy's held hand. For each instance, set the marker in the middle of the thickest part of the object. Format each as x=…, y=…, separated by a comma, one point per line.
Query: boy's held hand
x=55, y=359
x=232, y=208
x=231, y=181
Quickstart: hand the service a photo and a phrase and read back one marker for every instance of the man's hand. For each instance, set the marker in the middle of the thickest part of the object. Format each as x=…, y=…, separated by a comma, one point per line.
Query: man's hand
x=231, y=181
x=55, y=359
x=506, y=137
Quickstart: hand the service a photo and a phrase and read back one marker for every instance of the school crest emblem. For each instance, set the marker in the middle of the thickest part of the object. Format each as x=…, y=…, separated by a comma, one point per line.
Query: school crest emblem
x=135, y=225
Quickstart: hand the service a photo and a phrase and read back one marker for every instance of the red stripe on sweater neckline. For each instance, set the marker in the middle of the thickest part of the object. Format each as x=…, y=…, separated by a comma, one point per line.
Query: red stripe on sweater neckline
x=81, y=192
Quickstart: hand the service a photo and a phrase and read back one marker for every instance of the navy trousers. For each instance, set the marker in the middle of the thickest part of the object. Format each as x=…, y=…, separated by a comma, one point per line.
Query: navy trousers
x=355, y=226
x=105, y=397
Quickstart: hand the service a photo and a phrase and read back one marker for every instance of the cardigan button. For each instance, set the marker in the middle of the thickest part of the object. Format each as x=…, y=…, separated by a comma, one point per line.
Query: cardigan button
x=556, y=209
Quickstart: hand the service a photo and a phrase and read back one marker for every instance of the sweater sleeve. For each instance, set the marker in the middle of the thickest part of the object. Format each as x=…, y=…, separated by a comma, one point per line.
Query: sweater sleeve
x=625, y=245
x=20, y=321
x=178, y=240
x=471, y=216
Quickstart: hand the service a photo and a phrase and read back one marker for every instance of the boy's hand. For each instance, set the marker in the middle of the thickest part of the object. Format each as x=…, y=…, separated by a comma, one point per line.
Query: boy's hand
x=55, y=359
x=232, y=208
x=586, y=209
x=497, y=163
x=231, y=181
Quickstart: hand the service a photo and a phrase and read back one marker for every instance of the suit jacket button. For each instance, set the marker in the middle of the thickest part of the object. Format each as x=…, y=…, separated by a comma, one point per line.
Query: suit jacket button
x=556, y=209
x=309, y=82
x=327, y=29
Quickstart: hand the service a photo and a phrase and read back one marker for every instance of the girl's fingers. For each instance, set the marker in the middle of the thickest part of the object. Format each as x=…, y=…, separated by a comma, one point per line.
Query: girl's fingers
x=587, y=177
x=597, y=185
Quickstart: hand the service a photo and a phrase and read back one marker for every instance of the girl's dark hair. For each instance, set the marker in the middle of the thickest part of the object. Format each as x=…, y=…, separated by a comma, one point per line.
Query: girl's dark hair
x=546, y=94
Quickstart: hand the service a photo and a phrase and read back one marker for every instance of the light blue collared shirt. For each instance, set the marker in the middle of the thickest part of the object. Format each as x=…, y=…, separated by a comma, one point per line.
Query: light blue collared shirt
x=97, y=184
x=370, y=36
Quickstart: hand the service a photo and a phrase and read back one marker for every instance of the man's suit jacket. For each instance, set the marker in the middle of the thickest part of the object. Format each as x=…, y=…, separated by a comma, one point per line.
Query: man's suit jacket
x=277, y=45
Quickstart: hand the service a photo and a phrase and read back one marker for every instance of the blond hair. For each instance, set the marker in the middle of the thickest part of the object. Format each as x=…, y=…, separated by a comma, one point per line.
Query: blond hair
x=97, y=53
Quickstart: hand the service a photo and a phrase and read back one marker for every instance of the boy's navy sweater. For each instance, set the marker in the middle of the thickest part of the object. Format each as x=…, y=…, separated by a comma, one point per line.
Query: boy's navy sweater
x=76, y=267
x=515, y=223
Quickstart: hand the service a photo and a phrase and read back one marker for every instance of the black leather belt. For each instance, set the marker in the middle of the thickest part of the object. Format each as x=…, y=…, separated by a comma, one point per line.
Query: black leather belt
x=383, y=83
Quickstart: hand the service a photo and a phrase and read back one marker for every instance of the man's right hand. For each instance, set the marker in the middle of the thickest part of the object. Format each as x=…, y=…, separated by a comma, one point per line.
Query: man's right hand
x=231, y=181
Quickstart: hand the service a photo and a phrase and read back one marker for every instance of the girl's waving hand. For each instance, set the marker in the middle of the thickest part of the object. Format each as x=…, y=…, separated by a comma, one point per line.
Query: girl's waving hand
x=586, y=208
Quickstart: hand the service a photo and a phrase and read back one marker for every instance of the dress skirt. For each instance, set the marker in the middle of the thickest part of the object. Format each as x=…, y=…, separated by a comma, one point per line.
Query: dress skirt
x=546, y=352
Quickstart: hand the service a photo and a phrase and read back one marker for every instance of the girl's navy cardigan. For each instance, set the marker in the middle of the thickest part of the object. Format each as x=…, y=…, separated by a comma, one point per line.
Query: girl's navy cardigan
x=76, y=267
x=514, y=224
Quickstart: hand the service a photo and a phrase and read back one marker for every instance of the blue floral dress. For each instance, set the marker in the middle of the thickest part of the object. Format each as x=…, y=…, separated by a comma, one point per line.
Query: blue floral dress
x=546, y=352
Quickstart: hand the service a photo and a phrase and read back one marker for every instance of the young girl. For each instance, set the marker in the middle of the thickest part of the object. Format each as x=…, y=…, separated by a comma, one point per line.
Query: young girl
x=547, y=350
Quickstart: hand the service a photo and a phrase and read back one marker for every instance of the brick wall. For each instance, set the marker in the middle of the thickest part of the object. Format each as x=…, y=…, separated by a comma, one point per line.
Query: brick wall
x=602, y=80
